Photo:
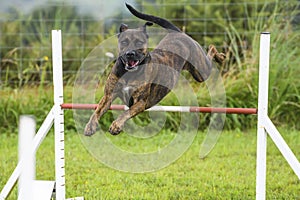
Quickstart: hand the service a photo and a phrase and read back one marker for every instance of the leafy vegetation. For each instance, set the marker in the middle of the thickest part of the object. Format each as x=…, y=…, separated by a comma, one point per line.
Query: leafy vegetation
x=26, y=44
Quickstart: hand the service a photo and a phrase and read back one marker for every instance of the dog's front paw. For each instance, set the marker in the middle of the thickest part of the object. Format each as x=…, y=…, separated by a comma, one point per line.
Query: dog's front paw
x=115, y=128
x=90, y=128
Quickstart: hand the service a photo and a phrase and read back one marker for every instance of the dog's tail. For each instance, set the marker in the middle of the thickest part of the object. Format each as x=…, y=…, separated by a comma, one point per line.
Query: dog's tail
x=157, y=20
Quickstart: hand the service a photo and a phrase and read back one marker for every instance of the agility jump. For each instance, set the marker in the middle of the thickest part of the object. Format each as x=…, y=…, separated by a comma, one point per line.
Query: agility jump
x=56, y=116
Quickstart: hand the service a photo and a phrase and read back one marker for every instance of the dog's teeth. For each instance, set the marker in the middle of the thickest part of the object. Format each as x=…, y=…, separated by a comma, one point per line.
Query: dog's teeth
x=136, y=63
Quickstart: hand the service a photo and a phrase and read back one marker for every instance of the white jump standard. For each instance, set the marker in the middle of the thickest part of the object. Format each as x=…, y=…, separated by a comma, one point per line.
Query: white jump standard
x=56, y=115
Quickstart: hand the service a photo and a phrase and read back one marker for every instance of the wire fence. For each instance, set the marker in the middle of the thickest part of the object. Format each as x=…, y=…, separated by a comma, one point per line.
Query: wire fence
x=25, y=44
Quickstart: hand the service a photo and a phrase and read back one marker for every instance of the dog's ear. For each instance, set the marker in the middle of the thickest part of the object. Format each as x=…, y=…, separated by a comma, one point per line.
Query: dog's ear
x=123, y=28
x=144, y=27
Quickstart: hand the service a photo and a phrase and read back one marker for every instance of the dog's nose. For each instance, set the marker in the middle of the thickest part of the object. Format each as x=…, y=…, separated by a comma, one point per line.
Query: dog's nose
x=130, y=54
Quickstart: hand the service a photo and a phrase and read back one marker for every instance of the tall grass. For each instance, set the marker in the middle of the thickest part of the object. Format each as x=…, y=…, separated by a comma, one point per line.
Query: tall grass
x=29, y=101
x=284, y=70
x=26, y=53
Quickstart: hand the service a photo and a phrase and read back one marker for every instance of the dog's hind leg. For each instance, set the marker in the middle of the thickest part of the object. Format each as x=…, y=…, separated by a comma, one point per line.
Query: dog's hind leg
x=214, y=54
x=200, y=65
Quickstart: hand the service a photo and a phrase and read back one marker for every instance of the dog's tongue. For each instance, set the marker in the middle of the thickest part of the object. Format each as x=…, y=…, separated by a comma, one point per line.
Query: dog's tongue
x=133, y=63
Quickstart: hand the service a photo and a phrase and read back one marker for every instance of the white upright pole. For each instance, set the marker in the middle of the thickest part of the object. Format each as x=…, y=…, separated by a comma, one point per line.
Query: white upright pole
x=262, y=113
x=58, y=115
x=26, y=134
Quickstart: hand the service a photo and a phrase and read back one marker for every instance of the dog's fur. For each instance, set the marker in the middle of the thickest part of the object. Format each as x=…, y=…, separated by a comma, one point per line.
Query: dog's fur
x=141, y=78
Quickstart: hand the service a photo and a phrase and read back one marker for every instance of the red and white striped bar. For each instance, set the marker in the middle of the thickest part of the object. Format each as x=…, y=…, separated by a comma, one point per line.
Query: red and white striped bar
x=246, y=111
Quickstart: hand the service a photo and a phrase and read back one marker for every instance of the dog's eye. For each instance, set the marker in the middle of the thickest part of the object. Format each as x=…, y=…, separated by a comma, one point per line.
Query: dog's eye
x=125, y=42
x=139, y=43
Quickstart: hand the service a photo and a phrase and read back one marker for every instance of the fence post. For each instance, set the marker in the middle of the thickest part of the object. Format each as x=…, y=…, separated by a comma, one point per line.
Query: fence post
x=262, y=114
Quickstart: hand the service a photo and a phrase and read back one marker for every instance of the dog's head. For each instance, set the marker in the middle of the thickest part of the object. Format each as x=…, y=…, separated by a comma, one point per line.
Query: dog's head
x=133, y=45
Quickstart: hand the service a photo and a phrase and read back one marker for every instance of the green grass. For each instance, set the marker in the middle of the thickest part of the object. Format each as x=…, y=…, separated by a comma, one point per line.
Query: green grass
x=227, y=173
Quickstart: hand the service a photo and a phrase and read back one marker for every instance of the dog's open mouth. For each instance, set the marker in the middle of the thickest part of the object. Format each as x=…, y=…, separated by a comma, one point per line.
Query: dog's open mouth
x=132, y=65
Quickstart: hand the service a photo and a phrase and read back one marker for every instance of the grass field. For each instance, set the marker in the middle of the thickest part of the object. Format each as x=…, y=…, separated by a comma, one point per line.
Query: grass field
x=227, y=173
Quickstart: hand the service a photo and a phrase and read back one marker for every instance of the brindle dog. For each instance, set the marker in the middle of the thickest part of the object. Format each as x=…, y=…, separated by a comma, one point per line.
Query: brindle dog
x=142, y=78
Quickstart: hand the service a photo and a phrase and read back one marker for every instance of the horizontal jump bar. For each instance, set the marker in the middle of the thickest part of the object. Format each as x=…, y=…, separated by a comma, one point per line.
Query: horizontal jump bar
x=167, y=108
